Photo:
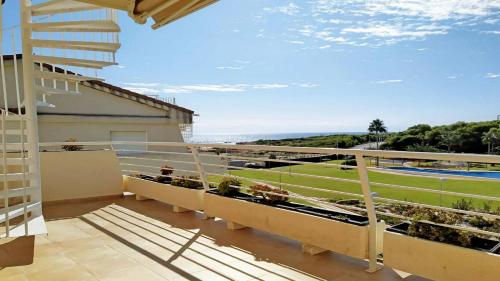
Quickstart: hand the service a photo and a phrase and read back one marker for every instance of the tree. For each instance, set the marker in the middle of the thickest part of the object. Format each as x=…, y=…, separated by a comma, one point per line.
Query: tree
x=449, y=137
x=491, y=137
x=377, y=126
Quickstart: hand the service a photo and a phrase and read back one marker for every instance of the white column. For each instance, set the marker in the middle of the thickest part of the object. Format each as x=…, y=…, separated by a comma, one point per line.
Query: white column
x=30, y=103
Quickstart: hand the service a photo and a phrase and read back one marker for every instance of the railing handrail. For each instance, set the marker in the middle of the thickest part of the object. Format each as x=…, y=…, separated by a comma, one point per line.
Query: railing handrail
x=391, y=154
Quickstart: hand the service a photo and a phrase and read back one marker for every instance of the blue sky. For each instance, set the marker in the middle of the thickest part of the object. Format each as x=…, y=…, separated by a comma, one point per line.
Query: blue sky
x=265, y=66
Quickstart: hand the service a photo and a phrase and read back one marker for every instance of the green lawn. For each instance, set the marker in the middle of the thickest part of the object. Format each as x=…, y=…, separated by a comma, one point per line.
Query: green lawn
x=489, y=188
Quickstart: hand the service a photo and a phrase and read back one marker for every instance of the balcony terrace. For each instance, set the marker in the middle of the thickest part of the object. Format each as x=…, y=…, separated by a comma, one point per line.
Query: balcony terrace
x=110, y=217
x=125, y=239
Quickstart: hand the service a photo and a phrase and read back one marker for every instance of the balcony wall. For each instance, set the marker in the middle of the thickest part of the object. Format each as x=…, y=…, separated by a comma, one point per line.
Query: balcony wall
x=80, y=174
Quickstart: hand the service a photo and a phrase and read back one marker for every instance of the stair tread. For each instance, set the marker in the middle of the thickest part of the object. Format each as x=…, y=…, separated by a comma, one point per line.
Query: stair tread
x=63, y=76
x=73, y=61
x=36, y=226
x=77, y=26
x=12, y=132
x=61, y=6
x=76, y=45
x=53, y=91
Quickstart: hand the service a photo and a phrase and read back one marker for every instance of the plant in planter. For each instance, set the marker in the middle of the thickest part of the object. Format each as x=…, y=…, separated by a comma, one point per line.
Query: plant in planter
x=228, y=186
x=72, y=147
x=166, y=172
x=438, y=233
x=439, y=252
x=270, y=194
x=190, y=182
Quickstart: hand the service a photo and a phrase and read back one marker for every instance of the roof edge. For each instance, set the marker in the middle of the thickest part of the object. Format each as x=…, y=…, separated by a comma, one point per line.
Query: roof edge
x=111, y=87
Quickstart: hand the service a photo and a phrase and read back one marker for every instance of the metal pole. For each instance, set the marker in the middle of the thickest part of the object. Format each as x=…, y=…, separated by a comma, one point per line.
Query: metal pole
x=30, y=104
x=370, y=209
x=199, y=166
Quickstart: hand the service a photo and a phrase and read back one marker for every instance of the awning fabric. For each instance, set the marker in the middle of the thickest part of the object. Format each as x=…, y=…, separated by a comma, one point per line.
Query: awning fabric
x=163, y=12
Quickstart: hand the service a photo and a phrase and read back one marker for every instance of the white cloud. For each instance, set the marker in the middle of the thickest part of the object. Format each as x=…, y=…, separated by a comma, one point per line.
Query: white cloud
x=155, y=84
x=392, y=81
x=120, y=66
x=491, y=21
x=159, y=88
x=306, y=85
x=220, y=88
x=496, y=32
x=229, y=67
x=296, y=42
x=143, y=90
x=395, y=31
x=291, y=9
x=375, y=23
x=324, y=47
x=492, y=75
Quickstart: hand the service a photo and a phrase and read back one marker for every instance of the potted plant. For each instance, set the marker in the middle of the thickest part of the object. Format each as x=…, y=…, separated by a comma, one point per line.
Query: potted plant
x=267, y=208
x=183, y=193
x=438, y=252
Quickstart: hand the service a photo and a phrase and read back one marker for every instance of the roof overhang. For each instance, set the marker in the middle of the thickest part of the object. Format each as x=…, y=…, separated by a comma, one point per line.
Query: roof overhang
x=162, y=12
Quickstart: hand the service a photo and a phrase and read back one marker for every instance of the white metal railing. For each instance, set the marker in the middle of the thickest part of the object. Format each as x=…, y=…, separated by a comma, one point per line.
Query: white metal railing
x=211, y=161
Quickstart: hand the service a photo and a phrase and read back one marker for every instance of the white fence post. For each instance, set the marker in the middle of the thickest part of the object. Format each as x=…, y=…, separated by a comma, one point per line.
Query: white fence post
x=370, y=209
x=199, y=166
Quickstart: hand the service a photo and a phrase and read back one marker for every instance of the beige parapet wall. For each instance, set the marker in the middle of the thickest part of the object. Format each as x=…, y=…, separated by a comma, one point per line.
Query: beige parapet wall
x=80, y=174
x=344, y=238
x=439, y=261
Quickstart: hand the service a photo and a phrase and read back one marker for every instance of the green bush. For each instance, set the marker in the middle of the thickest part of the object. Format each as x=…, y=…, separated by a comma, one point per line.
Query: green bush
x=264, y=190
x=462, y=204
x=188, y=182
x=227, y=186
x=438, y=233
x=350, y=162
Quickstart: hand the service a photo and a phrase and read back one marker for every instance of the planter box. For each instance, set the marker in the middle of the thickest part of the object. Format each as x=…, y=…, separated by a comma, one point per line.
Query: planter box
x=323, y=233
x=438, y=261
x=179, y=197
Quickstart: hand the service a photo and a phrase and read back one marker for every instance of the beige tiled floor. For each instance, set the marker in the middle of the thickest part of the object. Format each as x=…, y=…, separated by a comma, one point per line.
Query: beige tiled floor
x=125, y=239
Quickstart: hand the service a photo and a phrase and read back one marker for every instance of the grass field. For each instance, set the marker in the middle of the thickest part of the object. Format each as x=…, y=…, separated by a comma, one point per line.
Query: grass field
x=489, y=188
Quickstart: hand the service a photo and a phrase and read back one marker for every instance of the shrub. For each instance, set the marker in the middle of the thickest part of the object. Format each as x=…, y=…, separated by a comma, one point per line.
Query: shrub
x=438, y=233
x=462, y=204
x=72, y=147
x=191, y=182
x=279, y=195
x=227, y=186
x=166, y=170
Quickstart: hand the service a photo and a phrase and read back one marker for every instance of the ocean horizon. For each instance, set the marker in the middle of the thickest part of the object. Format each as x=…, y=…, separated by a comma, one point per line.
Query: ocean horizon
x=237, y=138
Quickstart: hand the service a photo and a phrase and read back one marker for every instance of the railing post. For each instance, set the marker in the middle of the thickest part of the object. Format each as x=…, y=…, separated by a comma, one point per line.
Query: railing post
x=199, y=166
x=370, y=209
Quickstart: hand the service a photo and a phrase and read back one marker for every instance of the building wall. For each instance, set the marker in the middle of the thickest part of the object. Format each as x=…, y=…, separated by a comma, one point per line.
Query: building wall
x=94, y=114
x=55, y=128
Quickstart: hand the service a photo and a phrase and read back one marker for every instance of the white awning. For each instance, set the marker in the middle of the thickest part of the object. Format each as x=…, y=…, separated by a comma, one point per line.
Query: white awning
x=162, y=11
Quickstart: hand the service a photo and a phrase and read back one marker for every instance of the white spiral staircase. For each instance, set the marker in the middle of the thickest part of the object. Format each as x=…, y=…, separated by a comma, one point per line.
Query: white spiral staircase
x=65, y=42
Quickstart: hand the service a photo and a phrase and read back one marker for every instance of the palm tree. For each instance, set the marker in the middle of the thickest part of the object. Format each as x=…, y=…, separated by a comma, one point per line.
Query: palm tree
x=491, y=137
x=377, y=126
